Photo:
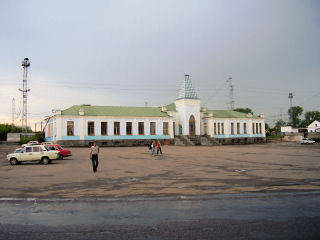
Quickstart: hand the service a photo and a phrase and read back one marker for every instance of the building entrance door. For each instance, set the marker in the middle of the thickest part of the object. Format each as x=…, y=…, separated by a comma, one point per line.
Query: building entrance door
x=180, y=130
x=192, y=125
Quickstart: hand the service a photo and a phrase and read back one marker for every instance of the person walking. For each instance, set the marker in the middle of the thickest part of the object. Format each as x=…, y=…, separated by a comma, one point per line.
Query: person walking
x=159, y=147
x=94, y=153
x=153, y=145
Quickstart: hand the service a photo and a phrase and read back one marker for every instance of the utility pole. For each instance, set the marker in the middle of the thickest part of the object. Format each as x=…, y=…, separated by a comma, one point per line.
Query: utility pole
x=13, y=110
x=231, y=98
x=25, y=64
x=291, y=113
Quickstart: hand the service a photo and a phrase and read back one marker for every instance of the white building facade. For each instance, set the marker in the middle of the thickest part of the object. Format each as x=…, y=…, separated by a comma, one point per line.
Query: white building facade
x=80, y=125
x=314, y=126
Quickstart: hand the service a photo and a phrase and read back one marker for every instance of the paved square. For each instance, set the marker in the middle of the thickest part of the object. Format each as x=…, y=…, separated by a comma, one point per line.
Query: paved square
x=198, y=170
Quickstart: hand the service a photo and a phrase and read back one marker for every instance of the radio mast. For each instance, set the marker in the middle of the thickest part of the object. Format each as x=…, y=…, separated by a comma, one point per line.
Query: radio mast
x=24, y=120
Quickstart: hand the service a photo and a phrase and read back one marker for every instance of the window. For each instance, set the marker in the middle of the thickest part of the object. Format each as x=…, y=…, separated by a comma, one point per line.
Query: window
x=215, y=128
x=253, y=131
x=245, y=128
x=257, y=128
x=35, y=149
x=222, y=128
x=28, y=149
x=50, y=128
x=205, y=128
x=152, y=128
x=238, y=128
x=116, y=128
x=219, y=128
x=104, y=128
x=90, y=128
x=165, y=128
x=129, y=128
x=232, y=128
x=141, y=128
x=260, y=128
x=70, y=128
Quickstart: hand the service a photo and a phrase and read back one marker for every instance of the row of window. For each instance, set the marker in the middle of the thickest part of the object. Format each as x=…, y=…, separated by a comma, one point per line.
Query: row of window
x=116, y=128
x=218, y=128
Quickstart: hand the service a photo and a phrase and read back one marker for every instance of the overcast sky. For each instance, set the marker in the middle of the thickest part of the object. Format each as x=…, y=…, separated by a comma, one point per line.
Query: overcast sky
x=136, y=51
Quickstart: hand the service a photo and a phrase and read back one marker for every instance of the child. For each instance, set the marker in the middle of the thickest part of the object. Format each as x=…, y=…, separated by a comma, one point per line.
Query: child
x=159, y=147
x=153, y=145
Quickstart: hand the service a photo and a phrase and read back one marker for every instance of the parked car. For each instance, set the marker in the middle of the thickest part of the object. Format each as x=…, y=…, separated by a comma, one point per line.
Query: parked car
x=307, y=141
x=30, y=143
x=18, y=150
x=38, y=153
x=63, y=152
x=46, y=143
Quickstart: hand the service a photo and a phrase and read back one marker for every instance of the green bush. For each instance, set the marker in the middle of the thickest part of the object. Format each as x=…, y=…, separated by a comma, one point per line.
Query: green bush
x=38, y=137
x=317, y=140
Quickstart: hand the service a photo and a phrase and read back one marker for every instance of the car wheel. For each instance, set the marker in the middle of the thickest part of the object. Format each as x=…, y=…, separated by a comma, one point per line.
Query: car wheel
x=45, y=160
x=60, y=157
x=13, y=161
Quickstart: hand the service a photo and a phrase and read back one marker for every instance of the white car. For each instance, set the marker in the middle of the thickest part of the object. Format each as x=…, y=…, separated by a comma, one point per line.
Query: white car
x=38, y=153
x=306, y=141
x=30, y=143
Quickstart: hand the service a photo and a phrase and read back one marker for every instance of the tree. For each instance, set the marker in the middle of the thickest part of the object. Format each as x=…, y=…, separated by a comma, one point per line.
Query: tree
x=7, y=128
x=244, y=110
x=295, y=113
x=310, y=116
x=280, y=123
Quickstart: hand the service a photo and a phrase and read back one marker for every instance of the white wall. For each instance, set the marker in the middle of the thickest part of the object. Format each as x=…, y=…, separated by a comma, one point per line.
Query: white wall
x=186, y=108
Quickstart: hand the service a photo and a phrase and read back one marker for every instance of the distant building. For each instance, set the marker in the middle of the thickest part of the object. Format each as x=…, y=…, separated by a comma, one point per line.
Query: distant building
x=314, y=126
x=184, y=118
x=289, y=129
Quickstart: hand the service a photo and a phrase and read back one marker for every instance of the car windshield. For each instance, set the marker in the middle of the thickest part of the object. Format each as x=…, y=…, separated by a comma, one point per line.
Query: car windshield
x=46, y=148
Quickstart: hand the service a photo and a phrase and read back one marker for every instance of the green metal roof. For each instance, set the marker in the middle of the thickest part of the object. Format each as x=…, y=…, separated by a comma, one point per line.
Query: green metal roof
x=171, y=107
x=229, y=114
x=115, y=111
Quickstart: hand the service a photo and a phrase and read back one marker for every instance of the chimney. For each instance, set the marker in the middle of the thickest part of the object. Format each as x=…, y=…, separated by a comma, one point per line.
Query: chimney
x=81, y=112
x=164, y=109
x=203, y=109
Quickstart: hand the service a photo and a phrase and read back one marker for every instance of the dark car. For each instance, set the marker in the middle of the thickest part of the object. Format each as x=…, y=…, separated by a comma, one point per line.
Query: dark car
x=63, y=152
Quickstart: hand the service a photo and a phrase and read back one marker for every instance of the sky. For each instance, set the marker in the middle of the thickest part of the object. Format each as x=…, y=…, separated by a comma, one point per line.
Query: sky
x=128, y=52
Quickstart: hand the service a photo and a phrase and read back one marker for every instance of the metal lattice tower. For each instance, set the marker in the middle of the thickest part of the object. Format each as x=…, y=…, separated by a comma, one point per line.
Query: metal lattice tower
x=231, y=98
x=24, y=119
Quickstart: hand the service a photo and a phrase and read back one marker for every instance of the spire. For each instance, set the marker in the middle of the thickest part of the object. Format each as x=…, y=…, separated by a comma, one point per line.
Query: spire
x=187, y=91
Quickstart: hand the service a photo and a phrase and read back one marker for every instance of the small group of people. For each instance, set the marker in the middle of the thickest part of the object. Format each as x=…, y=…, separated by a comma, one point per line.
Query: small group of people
x=153, y=147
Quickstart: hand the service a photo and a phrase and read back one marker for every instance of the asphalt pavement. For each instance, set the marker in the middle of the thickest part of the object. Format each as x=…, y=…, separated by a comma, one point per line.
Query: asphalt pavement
x=291, y=215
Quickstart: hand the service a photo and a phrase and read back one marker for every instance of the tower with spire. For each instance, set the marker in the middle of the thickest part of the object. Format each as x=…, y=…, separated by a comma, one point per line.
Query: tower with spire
x=188, y=107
